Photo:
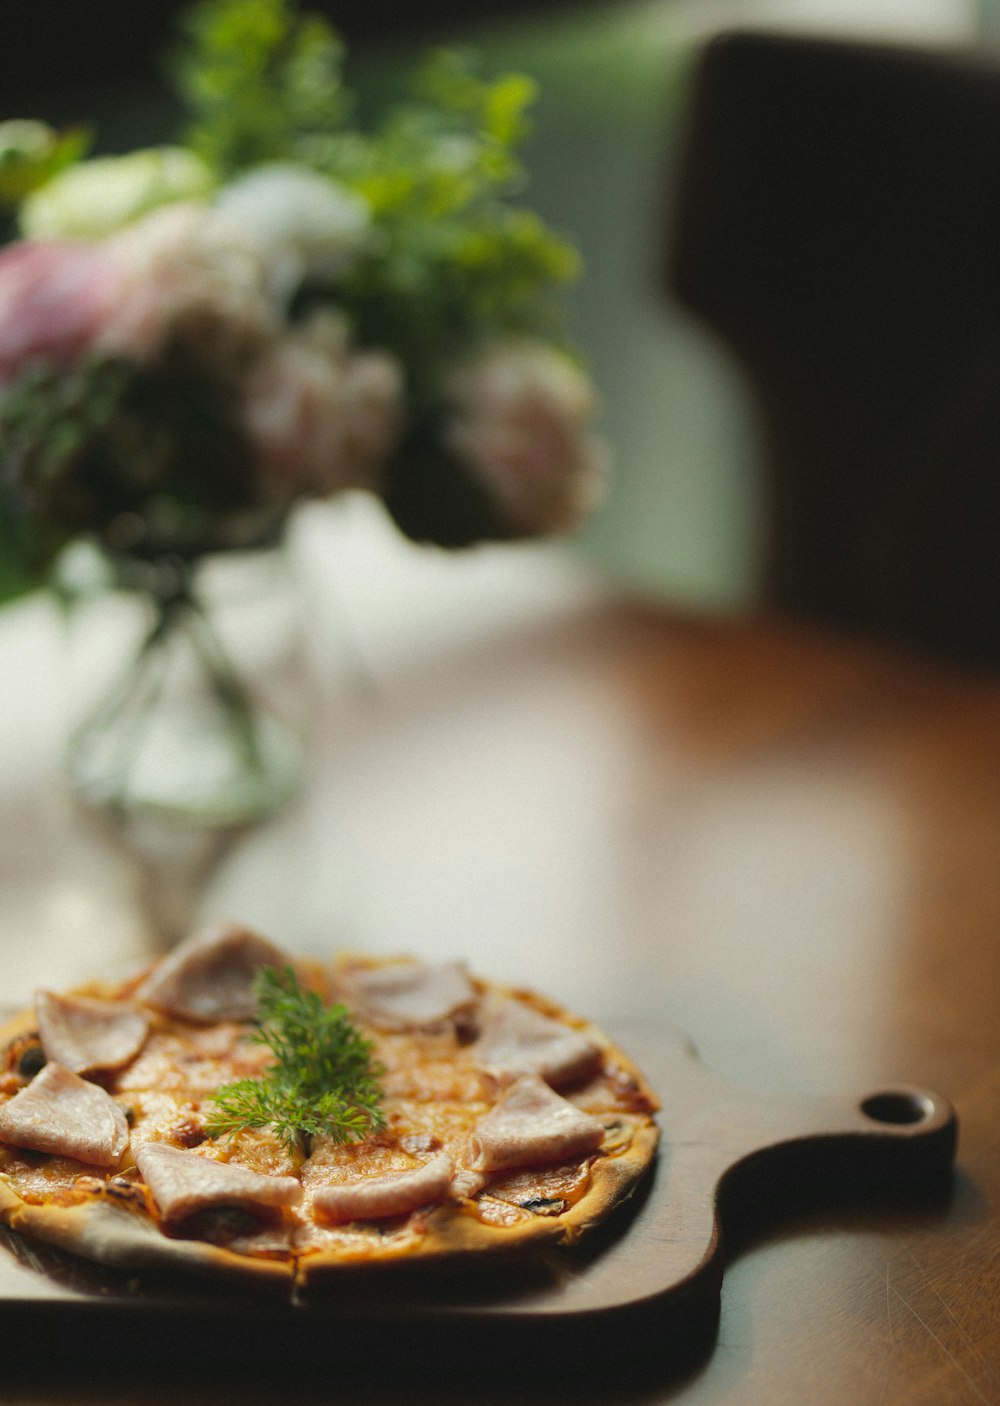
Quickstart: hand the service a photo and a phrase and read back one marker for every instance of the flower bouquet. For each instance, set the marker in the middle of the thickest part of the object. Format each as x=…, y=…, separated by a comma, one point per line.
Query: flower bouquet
x=279, y=307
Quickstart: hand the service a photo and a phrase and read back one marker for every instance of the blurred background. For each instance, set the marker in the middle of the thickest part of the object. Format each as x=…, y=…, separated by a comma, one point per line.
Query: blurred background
x=683, y=518
x=768, y=842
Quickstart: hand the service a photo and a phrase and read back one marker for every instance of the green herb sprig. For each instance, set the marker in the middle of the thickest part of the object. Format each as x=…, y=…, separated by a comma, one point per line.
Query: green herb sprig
x=323, y=1079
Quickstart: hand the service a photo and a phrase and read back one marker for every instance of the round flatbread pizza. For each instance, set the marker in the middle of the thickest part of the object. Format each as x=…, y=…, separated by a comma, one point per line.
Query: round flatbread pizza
x=234, y=1110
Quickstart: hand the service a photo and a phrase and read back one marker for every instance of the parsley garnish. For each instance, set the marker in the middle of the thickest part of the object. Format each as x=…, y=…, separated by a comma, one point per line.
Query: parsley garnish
x=323, y=1079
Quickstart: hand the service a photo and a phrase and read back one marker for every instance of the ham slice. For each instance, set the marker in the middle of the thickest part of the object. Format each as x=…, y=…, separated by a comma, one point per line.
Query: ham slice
x=411, y=995
x=61, y=1113
x=465, y=1184
x=84, y=1034
x=532, y=1126
x=184, y=1183
x=210, y=976
x=517, y=1039
x=374, y=1198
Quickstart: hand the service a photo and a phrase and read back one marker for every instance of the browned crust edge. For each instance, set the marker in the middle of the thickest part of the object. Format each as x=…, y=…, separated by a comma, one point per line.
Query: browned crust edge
x=449, y=1236
x=112, y=1236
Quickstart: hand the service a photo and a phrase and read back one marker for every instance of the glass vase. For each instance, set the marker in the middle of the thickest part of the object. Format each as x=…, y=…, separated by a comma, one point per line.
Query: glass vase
x=182, y=729
x=188, y=711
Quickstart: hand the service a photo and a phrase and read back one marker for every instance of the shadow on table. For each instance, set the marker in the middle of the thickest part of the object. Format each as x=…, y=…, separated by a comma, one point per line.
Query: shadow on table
x=239, y=1351
x=168, y=1342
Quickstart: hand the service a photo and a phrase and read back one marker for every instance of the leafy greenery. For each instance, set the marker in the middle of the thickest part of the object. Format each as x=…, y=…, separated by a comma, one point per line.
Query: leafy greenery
x=323, y=1079
x=453, y=260
x=108, y=439
x=458, y=260
x=31, y=154
x=260, y=82
x=20, y=567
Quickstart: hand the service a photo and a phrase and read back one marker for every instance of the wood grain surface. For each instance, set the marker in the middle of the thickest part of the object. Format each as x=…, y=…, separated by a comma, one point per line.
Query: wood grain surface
x=782, y=842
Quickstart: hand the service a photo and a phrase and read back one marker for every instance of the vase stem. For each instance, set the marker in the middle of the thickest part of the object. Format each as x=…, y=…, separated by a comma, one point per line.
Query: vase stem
x=180, y=733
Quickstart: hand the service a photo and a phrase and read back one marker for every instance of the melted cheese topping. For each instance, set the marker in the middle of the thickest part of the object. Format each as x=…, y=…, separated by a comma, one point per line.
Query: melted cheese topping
x=191, y=1060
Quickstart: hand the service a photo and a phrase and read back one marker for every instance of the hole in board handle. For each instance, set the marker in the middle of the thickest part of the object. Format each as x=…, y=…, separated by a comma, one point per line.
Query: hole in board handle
x=897, y=1106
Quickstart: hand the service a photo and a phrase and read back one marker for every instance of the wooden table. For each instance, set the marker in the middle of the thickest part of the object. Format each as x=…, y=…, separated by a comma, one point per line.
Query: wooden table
x=785, y=844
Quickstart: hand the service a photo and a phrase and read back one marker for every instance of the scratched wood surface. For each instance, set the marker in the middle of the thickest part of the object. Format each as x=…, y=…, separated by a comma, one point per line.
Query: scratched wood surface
x=784, y=843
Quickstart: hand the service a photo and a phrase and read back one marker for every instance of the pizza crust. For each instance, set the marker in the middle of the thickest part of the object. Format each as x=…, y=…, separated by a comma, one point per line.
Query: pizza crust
x=123, y=1236
x=112, y=1236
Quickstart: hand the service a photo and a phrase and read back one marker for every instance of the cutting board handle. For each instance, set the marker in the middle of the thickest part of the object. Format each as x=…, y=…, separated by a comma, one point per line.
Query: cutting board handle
x=736, y=1161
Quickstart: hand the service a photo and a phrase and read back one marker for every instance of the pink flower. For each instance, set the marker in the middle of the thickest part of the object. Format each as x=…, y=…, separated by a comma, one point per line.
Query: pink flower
x=54, y=299
x=521, y=424
x=292, y=397
x=322, y=417
x=185, y=275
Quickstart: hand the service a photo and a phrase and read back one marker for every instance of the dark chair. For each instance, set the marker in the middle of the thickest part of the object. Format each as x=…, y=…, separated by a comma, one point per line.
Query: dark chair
x=838, y=225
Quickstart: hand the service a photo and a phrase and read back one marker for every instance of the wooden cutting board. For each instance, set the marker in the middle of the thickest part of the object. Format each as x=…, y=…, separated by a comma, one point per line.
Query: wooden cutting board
x=640, y=1294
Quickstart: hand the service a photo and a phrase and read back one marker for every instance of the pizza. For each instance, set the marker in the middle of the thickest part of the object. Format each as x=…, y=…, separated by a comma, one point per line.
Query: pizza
x=172, y=1120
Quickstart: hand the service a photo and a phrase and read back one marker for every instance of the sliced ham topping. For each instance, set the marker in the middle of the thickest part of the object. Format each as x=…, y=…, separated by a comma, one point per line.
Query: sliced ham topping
x=61, y=1113
x=411, y=995
x=517, y=1039
x=210, y=976
x=394, y=1195
x=184, y=1183
x=532, y=1126
x=465, y=1184
x=84, y=1034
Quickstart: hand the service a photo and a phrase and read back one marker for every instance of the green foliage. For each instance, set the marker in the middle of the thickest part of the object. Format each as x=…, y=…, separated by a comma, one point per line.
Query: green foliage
x=439, y=287
x=21, y=569
x=453, y=260
x=31, y=154
x=260, y=83
x=109, y=444
x=46, y=420
x=323, y=1079
x=456, y=261
x=450, y=146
